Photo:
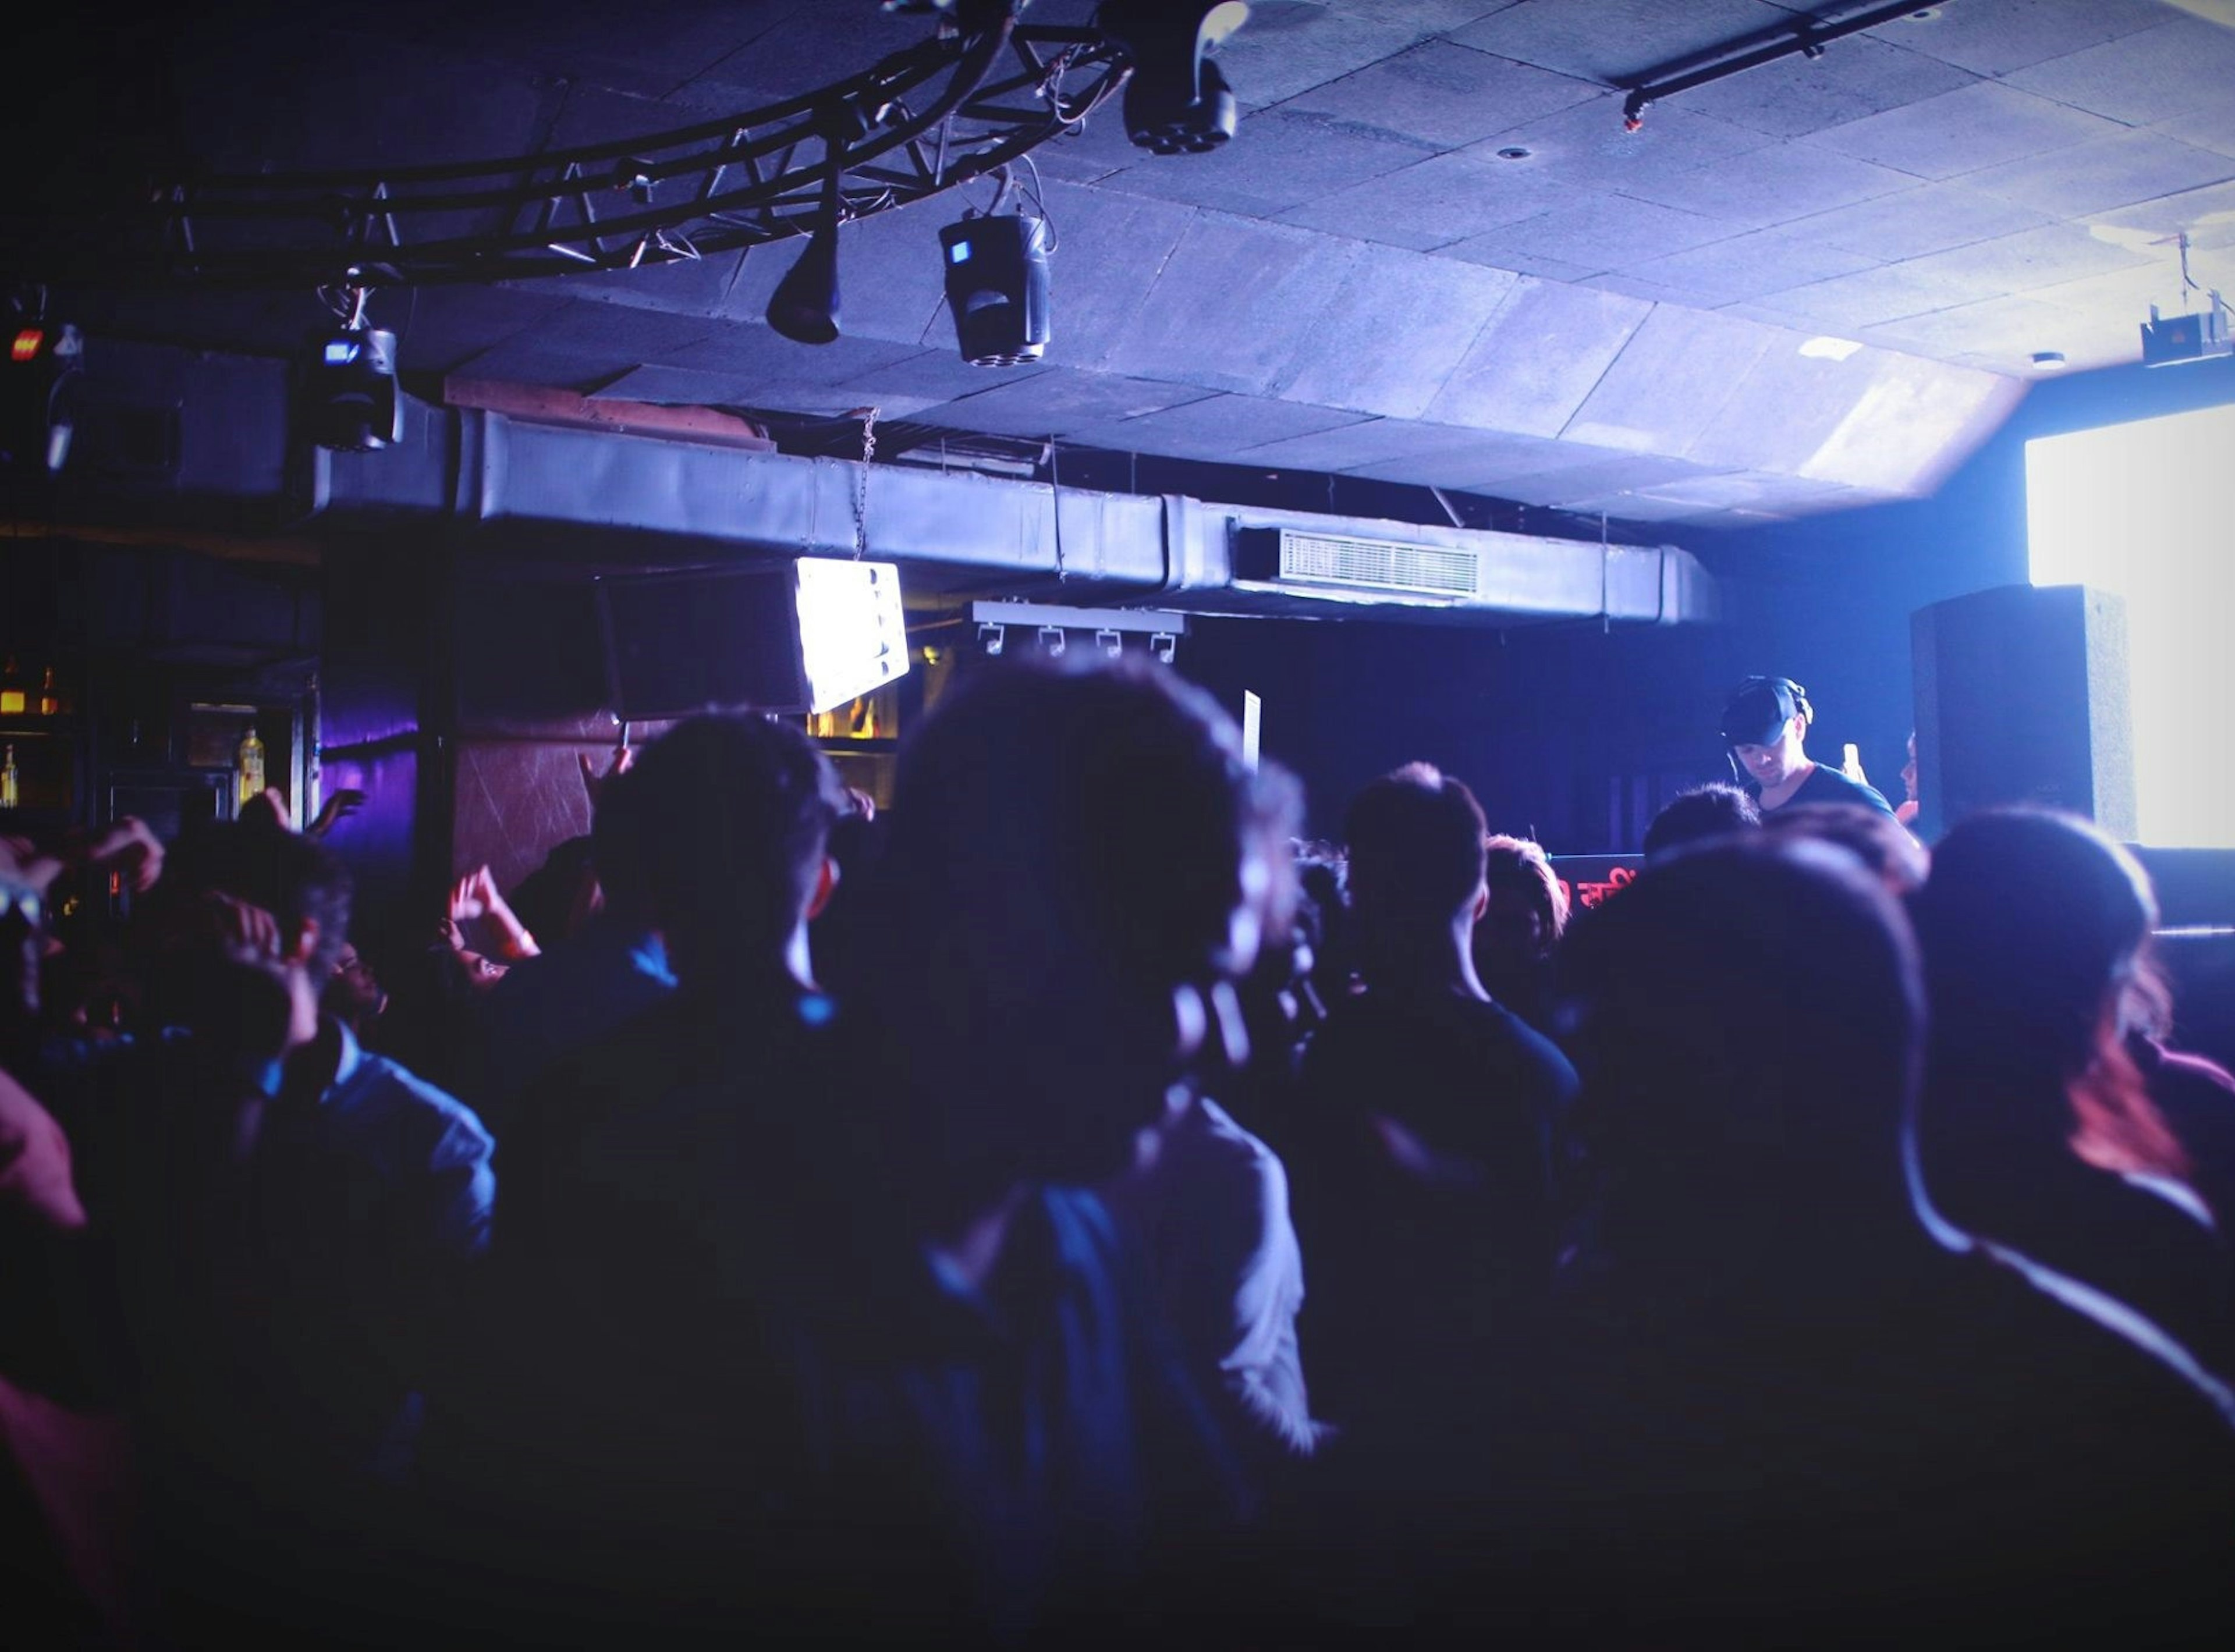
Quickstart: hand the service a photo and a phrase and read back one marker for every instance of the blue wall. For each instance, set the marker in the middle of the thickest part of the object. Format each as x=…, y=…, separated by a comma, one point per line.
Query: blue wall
x=1578, y=733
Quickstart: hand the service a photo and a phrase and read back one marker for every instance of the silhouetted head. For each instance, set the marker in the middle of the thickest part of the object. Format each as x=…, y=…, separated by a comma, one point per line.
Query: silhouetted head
x=1528, y=908
x=1700, y=812
x=2035, y=926
x=725, y=821
x=2029, y=923
x=1747, y=1018
x=1414, y=840
x=1078, y=865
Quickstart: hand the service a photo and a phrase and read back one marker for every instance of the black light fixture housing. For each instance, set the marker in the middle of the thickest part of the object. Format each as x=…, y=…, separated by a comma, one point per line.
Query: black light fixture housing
x=804, y=307
x=36, y=409
x=345, y=394
x=997, y=287
x=1177, y=102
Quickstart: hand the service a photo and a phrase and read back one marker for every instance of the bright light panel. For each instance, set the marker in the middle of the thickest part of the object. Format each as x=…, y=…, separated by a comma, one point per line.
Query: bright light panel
x=2143, y=510
x=852, y=633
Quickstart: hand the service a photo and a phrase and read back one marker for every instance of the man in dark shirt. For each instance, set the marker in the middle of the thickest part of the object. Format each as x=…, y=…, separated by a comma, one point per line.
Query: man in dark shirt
x=1763, y=727
x=1423, y=1160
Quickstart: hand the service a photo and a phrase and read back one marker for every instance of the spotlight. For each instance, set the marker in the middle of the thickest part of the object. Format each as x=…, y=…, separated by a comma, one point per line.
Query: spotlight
x=345, y=389
x=804, y=306
x=37, y=414
x=1163, y=645
x=1053, y=640
x=1177, y=102
x=997, y=287
x=1112, y=643
x=991, y=638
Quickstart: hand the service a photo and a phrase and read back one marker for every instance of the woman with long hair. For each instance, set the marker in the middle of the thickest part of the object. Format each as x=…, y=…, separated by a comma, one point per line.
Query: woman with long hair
x=2037, y=1127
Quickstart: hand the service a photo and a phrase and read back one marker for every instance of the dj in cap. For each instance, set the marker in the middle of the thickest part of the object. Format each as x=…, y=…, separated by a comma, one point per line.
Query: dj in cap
x=1763, y=727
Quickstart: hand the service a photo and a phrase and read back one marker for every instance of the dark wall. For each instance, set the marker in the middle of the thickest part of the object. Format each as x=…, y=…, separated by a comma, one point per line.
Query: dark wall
x=1579, y=733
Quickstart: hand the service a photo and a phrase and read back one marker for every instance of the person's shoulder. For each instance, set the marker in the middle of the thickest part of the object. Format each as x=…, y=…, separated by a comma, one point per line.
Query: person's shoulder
x=1827, y=785
x=381, y=1088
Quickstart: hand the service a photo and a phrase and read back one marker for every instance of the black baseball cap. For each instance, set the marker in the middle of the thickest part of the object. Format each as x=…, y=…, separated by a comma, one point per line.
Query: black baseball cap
x=1759, y=710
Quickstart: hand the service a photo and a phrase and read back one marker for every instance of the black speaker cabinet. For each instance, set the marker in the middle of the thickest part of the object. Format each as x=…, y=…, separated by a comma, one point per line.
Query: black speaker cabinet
x=2021, y=699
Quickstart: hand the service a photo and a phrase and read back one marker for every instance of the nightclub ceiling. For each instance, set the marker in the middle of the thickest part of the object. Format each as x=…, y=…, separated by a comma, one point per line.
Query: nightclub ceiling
x=1432, y=255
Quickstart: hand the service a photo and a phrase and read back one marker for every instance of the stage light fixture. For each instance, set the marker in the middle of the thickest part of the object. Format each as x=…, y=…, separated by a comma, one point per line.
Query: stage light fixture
x=1177, y=102
x=38, y=416
x=345, y=394
x=1053, y=640
x=992, y=639
x=997, y=287
x=2195, y=335
x=804, y=307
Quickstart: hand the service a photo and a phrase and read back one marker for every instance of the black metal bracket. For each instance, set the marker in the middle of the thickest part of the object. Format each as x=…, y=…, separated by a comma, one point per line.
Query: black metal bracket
x=1807, y=39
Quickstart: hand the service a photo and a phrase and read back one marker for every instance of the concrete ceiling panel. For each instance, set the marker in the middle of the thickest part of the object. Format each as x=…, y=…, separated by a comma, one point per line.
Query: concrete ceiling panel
x=1747, y=267
x=1599, y=234
x=1615, y=42
x=1995, y=37
x=1675, y=372
x=1911, y=223
x=1218, y=428
x=1233, y=305
x=1446, y=198
x=1444, y=95
x=1108, y=249
x=1787, y=405
x=2030, y=259
x=2106, y=172
x=1402, y=322
x=1294, y=45
x=1854, y=79
x=1059, y=401
x=1538, y=358
x=1586, y=147
x=761, y=352
x=2154, y=74
x=1289, y=159
x=1769, y=185
x=442, y=326
x=1483, y=461
x=1984, y=124
x=1594, y=480
x=1360, y=447
x=1915, y=424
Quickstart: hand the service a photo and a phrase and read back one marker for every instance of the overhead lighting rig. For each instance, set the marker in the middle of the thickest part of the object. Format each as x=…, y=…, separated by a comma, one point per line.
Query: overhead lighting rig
x=978, y=94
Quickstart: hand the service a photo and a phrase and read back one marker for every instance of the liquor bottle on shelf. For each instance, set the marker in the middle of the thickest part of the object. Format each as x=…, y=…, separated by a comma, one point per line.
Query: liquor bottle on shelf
x=8, y=783
x=249, y=769
x=13, y=701
x=49, y=701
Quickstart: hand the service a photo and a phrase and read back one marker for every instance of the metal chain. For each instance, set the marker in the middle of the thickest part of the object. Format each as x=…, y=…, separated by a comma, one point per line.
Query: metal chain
x=869, y=417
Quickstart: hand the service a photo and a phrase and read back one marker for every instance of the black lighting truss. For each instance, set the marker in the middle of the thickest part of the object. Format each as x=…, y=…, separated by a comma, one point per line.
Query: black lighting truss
x=959, y=106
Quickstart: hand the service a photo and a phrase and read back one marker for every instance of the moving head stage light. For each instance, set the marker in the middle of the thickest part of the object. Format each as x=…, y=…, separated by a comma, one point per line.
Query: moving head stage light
x=345, y=389
x=1177, y=102
x=997, y=287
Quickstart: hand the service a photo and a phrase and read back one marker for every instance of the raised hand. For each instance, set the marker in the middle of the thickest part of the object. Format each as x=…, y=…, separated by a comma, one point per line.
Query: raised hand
x=337, y=808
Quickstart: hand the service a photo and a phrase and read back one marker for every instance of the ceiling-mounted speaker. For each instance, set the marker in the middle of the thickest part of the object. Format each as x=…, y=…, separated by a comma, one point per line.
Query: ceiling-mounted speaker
x=997, y=287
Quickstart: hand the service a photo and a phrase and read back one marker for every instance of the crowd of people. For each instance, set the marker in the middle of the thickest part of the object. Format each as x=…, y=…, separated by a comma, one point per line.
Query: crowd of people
x=1069, y=1208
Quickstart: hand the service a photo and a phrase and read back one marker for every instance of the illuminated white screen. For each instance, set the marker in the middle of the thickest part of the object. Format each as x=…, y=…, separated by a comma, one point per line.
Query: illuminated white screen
x=2147, y=510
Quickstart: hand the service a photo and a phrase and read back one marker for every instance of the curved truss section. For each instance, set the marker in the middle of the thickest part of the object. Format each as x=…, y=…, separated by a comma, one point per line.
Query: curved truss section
x=953, y=108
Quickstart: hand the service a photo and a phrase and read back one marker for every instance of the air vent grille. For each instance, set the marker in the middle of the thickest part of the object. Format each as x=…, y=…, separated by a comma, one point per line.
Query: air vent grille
x=1373, y=564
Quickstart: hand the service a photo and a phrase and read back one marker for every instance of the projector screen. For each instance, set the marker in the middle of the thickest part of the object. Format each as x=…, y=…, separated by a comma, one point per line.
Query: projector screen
x=2147, y=510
